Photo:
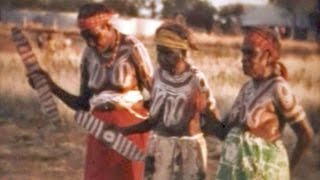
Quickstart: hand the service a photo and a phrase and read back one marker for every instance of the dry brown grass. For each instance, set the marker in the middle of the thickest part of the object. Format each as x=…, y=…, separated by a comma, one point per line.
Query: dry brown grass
x=28, y=150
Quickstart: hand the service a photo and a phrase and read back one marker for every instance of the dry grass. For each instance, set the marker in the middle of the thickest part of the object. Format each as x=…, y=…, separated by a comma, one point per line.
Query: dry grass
x=29, y=150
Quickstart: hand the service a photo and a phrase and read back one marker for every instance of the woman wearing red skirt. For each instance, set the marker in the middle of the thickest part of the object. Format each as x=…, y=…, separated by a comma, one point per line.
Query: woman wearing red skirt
x=116, y=77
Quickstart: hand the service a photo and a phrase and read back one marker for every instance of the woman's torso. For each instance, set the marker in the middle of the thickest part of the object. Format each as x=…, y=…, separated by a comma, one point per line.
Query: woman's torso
x=256, y=109
x=120, y=76
x=119, y=83
x=173, y=103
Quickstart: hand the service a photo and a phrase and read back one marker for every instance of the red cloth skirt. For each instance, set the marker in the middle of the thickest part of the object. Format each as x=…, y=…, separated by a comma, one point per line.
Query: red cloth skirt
x=103, y=163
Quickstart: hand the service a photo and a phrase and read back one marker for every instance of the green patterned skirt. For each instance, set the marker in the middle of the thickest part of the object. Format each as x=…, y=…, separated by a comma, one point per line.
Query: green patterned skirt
x=247, y=157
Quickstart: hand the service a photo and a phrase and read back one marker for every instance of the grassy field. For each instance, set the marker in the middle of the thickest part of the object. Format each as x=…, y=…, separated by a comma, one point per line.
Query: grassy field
x=31, y=149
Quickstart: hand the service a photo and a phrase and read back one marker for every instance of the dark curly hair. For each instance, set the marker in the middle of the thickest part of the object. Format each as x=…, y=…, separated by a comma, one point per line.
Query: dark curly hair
x=91, y=9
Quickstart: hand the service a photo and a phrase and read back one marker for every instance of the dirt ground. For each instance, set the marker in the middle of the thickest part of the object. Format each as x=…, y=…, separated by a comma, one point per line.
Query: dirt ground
x=25, y=153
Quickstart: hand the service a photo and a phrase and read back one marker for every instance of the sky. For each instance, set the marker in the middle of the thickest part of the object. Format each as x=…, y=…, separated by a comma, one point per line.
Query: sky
x=219, y=3
x=216, y=3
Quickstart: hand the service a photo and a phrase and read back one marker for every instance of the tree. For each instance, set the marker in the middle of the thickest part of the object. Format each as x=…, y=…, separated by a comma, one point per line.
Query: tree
x=301, y=11
x=201, y=15
x=197, y=13
x=229, y=18
x=125, y=7
x=55, y=5
x=172, y=8
x=232, y=10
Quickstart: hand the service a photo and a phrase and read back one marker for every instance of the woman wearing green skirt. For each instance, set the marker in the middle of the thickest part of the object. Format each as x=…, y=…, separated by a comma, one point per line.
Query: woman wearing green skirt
x=253, y=148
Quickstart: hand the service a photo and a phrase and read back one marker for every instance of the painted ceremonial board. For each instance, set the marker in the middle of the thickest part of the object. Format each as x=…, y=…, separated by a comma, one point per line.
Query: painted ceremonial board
x=110, y=137
x=29, y=59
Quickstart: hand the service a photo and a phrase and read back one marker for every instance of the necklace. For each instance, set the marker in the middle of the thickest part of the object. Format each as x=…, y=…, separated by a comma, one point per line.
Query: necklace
x=108, y=63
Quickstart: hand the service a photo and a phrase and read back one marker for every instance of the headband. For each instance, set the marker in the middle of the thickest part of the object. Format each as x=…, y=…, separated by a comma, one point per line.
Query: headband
x=92, y=21
x=170, y=39
x=259, y=39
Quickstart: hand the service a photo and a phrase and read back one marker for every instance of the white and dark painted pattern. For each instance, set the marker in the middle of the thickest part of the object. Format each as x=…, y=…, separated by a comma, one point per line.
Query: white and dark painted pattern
x=109, y=136
x=131, y=69
x=172, y=95
x=30, y=62
x=175, y=99
x=265, y=107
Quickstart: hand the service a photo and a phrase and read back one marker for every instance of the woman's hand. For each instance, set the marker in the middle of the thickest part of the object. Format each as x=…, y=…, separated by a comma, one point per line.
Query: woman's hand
x=141, y=127
x=114, y=127
x=123, y=130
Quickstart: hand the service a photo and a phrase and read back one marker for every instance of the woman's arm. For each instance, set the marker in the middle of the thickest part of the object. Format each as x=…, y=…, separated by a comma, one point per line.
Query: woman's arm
x=209, y=114
x=80, y=102
x=212, y=124
x=294, y=114
x=304, y=134
x=142, y=63
x=141, y=127
x=74, y=102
